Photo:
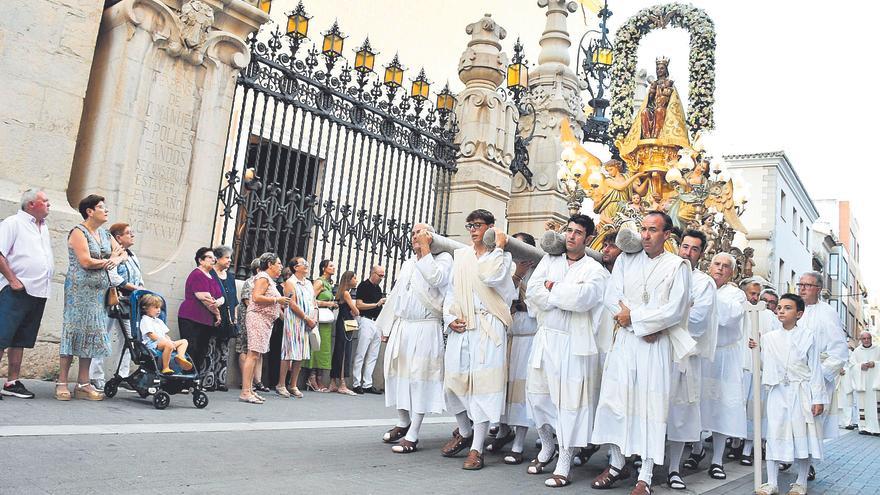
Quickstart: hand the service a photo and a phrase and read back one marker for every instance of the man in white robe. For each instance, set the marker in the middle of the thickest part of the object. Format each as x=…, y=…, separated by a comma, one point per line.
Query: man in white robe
x=649, y=295
x=476, y=311
x=833, y=351
x=767, y=322
x=567, y=293
x=516, y=420
x=866, y=382
x=684, y=424
x=411, y=323
x=722, y=408
x=796, y=393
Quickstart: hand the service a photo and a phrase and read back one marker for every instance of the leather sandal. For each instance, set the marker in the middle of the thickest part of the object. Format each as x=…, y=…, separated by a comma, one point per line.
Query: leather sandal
x=473, y=462
x=716, y=472
x=405, y=447
x=61, y=391
x=395, y=434
x=456, y=445
x=498, y=443
x=608, y=477
x=811, y=474
x=537, y=467
x=81, y=392
x=584, y=454
x=674, y=481
x=641, y=488
x=693, y=461
x=557, y=481
x=513, y=458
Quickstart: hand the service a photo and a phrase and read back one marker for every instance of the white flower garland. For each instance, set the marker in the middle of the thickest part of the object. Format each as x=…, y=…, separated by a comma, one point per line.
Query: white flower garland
x=701, y=66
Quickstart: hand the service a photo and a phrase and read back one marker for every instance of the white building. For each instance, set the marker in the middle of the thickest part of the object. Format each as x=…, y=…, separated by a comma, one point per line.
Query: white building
x=779, y=216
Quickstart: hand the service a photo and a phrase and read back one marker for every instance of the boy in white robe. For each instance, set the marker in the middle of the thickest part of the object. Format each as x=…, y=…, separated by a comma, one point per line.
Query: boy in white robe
x=649, y=296
x=567, y=292
x=722, y=407
x=411, y=323
x=685, y=424
x=866, y=382
x=476, y=312
x=792, y=372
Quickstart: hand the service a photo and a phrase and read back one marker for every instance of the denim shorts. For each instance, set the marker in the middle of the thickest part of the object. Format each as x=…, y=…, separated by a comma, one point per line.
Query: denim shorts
x=20, y=320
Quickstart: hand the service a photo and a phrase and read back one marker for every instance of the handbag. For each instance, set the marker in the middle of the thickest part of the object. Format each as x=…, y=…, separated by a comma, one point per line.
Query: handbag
x=315, y=339
x=325, y=315
x=350, y=325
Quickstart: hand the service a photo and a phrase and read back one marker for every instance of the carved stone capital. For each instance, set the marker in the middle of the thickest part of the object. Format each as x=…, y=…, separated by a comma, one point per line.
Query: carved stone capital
x=483, y=63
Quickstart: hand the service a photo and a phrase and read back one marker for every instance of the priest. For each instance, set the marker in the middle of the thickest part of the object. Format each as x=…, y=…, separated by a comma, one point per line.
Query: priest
x=866, y=381
x=649, y=296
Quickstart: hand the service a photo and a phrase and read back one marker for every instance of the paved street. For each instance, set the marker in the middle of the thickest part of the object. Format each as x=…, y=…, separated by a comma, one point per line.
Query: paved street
x=324, y=442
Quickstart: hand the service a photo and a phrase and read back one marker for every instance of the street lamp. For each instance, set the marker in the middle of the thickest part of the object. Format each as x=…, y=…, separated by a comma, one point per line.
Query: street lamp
x=420, y=87
x=364, y=58
x=333, y=41
x=595, y=69
x=298, y=22
x=445, y=100
x=394, y=73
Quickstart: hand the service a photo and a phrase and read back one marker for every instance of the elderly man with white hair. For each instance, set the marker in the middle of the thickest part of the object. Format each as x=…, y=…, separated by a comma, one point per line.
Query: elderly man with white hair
x=411, y=323
x=866, y=381
x=26, y=266
x=722, y=409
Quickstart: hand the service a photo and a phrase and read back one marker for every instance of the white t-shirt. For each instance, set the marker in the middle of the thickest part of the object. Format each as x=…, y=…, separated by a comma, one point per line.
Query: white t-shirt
x=28, y=251
x=152, y=325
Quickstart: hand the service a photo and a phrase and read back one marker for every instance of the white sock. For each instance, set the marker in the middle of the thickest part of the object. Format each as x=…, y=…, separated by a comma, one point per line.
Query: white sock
x=545, y=433
x=773, y=473
x=464, y=424
x=617, y=460
x=747, y=448
x=676, y=451
x=403, y=418
x=520, y=439
x=481, y=431
x=803, y=470
x=718, y=441
x=413, y=434
x=563, y=464
x=647, y=471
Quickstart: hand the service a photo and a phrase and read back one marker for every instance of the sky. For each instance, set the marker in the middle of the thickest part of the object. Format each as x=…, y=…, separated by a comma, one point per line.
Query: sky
x=790, y=75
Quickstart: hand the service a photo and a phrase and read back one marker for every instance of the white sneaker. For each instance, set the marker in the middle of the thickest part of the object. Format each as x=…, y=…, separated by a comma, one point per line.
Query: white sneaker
x=767, y=489
x=797, y=489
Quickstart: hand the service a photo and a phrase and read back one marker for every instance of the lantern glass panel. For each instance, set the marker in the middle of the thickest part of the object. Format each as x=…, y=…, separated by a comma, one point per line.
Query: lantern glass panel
x=265, y=5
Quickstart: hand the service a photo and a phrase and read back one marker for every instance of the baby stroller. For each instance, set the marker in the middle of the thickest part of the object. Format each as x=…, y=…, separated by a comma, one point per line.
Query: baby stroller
x=148, y=380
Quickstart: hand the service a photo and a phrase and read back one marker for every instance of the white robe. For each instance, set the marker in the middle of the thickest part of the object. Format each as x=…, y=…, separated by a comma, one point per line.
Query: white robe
x=685, y=422
x=792, y=373
x=563, y=384
x=414, y=353
x=833, y=352
x=636, y=380
x=522, y=334
x=767, y=323
x=476, y=360
x=723, y=409
x=865, y=384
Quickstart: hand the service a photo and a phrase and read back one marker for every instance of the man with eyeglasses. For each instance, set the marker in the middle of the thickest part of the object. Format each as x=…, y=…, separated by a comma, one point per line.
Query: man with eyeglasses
x=476, y=312
x=411, y=322
x=370, y=300
x=563, y=376
x=833, y=351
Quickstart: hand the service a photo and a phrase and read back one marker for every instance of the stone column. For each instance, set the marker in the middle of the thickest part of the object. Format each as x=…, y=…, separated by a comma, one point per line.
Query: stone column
x=487, y=130
x=154, y=126
x=554, y=90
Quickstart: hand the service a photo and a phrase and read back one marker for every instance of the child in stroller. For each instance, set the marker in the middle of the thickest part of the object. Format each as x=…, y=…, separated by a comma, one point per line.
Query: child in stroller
x=155, y=333
x=149, y=378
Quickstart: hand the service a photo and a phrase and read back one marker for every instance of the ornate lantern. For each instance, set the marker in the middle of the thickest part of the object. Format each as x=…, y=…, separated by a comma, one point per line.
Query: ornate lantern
x=394, y=73
x=364, y=58
x=517, y=72
x=298, y=22
x=333, y=40
x=445, y=100
x=420, y=86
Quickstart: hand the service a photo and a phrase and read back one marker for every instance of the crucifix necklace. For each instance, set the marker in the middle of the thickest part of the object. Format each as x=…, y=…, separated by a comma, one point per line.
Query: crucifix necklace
x=645, y=296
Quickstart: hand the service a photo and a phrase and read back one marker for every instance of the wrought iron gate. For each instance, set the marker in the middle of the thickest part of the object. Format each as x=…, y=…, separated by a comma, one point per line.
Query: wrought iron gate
x=326, y=161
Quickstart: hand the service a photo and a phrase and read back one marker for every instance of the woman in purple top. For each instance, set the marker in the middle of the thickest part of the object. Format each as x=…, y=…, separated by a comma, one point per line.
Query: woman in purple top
x=199, y=313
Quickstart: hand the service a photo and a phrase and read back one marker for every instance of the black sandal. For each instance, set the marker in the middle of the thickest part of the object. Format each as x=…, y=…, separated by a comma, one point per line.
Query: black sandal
x=674, y=481
x=746, y=460
x=583, y=455
x=608, y=478
x=716, y=472
x=811, y=475
x=693, y=461
x=538, y=465
x=498, y=443
x=405, y=447
x=513, y=458
x=783, y=466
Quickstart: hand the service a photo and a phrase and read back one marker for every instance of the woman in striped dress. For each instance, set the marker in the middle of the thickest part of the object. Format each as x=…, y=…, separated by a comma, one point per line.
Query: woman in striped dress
x=300, y=317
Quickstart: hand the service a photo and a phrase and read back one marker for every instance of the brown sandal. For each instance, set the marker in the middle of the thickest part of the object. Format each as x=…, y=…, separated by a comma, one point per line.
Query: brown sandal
x=557, y=481
x=642, y=488
x=474, y=461
x=513, y=458
x=456, y=444
x=537, y=467
x=405, y=447
x=607, y=479
x=395, y=434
